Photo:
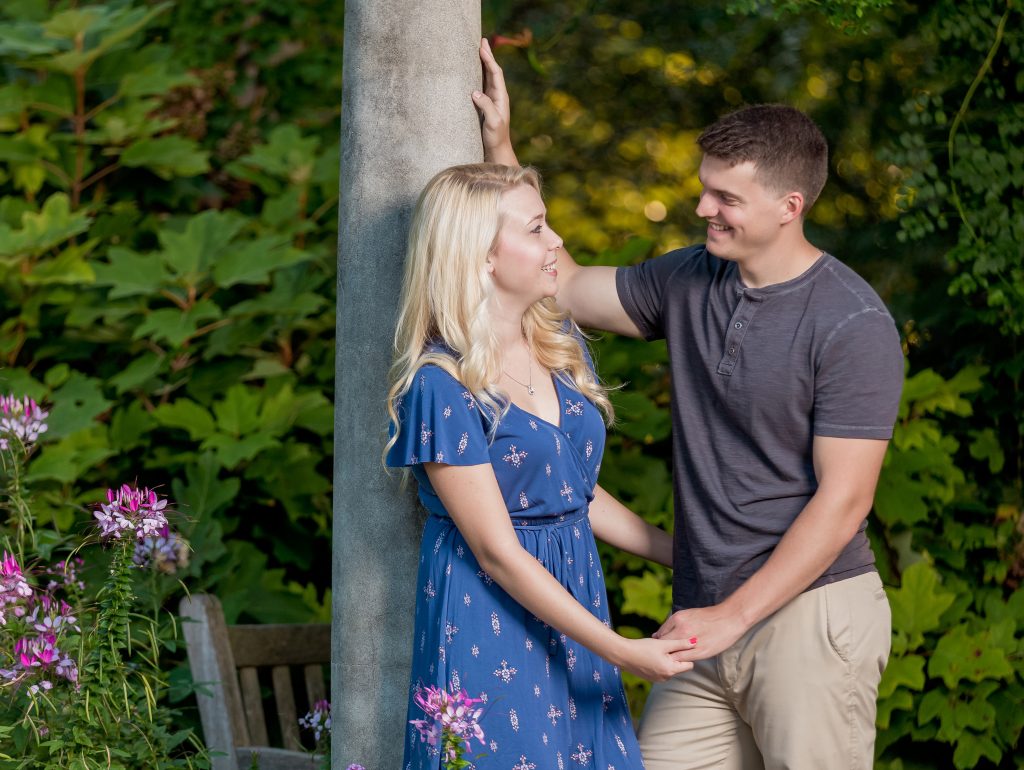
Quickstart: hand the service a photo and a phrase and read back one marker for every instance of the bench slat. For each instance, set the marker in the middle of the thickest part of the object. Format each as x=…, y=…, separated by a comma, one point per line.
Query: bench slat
x=285, y=699
x=252, y=702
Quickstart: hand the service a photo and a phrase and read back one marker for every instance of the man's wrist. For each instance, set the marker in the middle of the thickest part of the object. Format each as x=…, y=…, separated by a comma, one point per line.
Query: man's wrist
x=502, y=153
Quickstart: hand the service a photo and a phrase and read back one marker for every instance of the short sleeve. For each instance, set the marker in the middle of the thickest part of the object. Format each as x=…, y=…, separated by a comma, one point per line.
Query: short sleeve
x=642, y=288
x=859, y=379
x=439, y=421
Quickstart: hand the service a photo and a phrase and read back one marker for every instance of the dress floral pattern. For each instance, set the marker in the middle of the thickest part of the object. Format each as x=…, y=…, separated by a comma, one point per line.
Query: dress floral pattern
x=551, y=704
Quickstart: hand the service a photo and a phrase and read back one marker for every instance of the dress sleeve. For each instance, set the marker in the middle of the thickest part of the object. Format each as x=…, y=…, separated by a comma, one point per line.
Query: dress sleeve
x=439, y=421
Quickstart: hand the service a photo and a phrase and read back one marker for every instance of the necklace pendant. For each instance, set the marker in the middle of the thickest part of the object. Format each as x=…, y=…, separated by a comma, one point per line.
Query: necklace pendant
x=529, y=389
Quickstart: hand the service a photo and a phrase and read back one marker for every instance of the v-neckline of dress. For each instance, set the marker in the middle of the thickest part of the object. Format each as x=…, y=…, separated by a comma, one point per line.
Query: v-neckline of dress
x=558, y=399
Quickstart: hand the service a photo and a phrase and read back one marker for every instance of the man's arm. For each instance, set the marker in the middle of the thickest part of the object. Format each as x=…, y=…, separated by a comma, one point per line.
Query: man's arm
x=587, y=293
x=493, y=104
x=590, y=296
x=847, y=471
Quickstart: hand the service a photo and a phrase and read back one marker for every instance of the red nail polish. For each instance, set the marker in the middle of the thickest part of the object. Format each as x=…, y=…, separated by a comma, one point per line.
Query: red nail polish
x=693, y=640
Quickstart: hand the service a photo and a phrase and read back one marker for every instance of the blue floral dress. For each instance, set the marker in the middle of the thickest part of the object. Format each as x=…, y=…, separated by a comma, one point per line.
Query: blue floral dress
x=550, y=703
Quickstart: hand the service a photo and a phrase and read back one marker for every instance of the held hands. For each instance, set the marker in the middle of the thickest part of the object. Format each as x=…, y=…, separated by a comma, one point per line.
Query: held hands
x=655, y=659
x=714, y=629
x=493, y=105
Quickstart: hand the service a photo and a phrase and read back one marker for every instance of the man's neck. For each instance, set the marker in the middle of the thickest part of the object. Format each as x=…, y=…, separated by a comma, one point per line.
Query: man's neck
x=778, y=265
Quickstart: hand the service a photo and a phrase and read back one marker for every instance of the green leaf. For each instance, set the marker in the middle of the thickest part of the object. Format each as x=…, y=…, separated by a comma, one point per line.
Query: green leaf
x=204, y=493
x=253, y=261
x=176, y=326
x=970, y=748
x=191, y=253
x=926, y=392
x=57, y=375
x=985, y=446
x=167, y=156
x=962, y=655
x=280, y=408
x=72, y=23
x=111, y=26
x=231, y=451
x=18, y=150
x=918, y=603
x=901, y=700
x=286, y=155
x=239, y=412
x=138, y=372
x=18, y=382
x=641, y=418
x=68, y=267
x=20, y=39
x=43, y=231
x=900, y=500
x=1009, y=714
x=130, y=427
x=69, y=459
x=648, y=596
x=280, y=302
x=188, y=415
x=76, y=404
x=155, y=79
x=129, y=273
x=907, y=670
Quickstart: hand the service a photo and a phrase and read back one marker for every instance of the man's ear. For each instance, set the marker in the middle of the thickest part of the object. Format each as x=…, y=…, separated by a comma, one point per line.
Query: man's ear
x=792, y=206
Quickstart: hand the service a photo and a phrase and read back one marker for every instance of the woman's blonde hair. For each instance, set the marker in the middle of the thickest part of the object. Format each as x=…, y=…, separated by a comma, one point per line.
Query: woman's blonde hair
x=446, y=294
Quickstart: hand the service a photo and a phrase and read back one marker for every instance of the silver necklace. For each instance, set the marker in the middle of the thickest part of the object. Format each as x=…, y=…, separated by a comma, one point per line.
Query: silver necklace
x=528, y=385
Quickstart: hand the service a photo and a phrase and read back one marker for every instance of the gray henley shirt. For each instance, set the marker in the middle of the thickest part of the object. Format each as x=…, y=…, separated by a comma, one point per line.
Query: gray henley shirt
x=756, y=374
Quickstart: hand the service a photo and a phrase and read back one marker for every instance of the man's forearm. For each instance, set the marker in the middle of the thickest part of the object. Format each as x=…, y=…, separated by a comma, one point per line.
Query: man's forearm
x=503, y=154
x=809, y=547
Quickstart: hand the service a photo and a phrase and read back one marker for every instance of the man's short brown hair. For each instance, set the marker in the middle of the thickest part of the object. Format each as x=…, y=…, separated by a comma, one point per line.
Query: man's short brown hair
x=786, y=147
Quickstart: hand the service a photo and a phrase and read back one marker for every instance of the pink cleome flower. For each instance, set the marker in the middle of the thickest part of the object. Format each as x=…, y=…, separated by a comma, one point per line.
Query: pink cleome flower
x=129, y=509
x=21, y=419
x=14, y=589
x=319, y=721
x=451, y=719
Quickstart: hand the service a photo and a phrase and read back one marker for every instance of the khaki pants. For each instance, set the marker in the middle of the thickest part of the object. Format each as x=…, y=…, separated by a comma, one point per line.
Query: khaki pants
x=797, y=691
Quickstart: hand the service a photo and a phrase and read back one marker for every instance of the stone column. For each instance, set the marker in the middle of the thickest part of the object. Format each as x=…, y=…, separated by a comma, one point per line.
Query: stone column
x=409, y=68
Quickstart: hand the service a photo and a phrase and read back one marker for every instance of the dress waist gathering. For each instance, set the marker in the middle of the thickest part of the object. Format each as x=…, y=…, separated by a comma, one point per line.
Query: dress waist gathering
x=535, y=522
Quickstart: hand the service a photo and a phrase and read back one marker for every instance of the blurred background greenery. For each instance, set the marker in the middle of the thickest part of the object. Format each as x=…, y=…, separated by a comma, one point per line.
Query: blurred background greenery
x=168, y=195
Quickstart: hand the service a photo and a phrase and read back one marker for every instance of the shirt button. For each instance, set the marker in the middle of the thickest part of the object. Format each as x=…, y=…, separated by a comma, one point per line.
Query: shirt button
x=738, y=324
x=732, y=351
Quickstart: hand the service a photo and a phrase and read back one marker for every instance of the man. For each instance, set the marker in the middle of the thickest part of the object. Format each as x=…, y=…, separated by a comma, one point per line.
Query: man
x=786, y=376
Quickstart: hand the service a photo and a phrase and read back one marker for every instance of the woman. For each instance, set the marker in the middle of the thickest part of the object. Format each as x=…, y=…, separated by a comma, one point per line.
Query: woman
x=496, y=409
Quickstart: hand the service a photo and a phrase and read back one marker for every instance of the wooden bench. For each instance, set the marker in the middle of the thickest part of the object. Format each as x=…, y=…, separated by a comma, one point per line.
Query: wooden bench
x=226, y=661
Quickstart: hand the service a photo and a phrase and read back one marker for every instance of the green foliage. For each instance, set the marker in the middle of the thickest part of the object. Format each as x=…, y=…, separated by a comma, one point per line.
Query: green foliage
x=849, y=15
x=970, y=102
x=167, y=194
x=169, y=293
x=957, y=631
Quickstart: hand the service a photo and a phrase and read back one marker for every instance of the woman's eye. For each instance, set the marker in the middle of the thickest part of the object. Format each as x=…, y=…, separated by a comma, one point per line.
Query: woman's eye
x=537, y=230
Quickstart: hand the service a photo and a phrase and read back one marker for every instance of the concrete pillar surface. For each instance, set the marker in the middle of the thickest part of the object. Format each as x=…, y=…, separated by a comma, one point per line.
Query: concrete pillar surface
x=409, y=67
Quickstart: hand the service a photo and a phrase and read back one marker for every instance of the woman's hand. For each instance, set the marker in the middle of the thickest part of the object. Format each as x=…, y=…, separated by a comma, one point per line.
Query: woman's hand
x=654, y=659
x=493, y=104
